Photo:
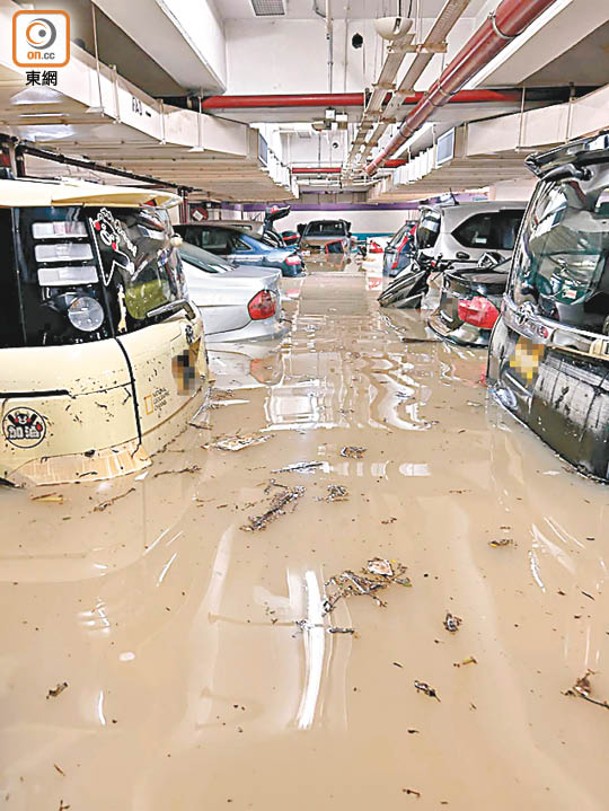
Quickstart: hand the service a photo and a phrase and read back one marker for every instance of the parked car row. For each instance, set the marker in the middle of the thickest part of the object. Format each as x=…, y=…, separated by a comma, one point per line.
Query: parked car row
x=468, y=245
x=538, y=296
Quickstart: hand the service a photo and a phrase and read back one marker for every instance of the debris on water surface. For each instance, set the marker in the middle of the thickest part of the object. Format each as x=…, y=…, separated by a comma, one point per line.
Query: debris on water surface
x=377, y=574
x=306, y=625
x=379, y=566
x=280, y=501
x=452, y=623
x=352, y=452
x=59, y=769
x=336, y=492
x=57, y=691
x=470, y=660
x=189, y=469
x=48, y=498
x=221, y=394
x=412, y=791
x=240, y=441
x=103, y=505
x=8, y=483
x=302, y=467
x=423, y=687
x=499, y=542
x=583, y=689
x=63, y=806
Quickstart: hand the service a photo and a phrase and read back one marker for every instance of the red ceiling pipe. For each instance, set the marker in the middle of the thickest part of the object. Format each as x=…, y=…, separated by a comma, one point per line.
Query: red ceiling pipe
x=509, y=20
x=345, y=100
x=316, y=170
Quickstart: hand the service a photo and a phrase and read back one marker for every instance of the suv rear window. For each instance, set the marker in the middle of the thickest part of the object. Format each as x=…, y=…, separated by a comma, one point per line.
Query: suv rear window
x=561, y=263
x=495, y=230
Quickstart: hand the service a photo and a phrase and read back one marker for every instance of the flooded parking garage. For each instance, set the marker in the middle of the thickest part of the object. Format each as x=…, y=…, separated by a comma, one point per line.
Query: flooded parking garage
x=304, y=405
x=157, y=655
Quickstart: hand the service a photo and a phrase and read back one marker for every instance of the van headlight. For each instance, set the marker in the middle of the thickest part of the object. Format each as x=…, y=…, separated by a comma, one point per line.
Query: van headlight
x=86, y=314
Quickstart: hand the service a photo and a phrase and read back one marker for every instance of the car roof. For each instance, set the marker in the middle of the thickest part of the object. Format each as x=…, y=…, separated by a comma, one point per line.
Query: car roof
x=25, y=193
x=456, y=213
x=243, y=225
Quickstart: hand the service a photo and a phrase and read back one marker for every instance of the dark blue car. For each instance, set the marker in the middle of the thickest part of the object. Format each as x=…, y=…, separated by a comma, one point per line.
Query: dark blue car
x=244, y=248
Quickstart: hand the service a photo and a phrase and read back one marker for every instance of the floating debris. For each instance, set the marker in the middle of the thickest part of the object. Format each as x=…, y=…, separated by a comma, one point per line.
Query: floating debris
x=583, y=689
x=336, y=492
x=238, y=442
x=59, y=769
x=9, y=483
x=452, y=623
x=103, y=505
x=412, y=791
x=352, y=452
x=57, y=691
x=378, y=574
x=49, y=498
x=499, y=542
x=423, y=687
x=471, y=660
x=379, y=566
x=303, y=467
x=290, y=495
x=305, y=625
x=221, y=394
x=189, y=469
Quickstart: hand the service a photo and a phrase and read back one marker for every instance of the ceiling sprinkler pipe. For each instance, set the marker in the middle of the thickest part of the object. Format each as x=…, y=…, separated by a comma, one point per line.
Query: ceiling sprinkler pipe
x=325, y=100
x=510, y=19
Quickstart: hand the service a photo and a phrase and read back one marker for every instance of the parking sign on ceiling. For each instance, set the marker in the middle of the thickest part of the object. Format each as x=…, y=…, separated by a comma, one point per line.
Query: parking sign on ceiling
x=41, y=39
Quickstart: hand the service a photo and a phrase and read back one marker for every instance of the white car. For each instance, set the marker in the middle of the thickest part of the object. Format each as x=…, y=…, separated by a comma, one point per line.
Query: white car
x=236, y=303
x=465, y=232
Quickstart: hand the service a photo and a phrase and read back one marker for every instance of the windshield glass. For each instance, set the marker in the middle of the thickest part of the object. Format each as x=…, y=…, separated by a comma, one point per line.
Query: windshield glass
x=326, y=228
x=428, y=229
x=562, y=259
x=204, y=260
x=398, y=236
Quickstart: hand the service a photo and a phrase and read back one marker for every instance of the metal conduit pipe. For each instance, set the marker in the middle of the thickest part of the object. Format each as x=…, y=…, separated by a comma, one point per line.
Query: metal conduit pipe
x=510, y=19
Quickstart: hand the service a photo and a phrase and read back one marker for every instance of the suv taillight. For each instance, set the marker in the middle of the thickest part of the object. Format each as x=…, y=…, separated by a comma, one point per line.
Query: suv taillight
x=263, y=305
x=478, y=311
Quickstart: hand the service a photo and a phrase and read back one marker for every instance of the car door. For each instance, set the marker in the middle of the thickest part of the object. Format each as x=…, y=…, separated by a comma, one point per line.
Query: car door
x=244, y=250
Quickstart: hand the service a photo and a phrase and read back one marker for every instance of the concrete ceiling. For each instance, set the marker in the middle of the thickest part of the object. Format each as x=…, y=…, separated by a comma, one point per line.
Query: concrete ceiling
x=341, y=9
x=586, y=63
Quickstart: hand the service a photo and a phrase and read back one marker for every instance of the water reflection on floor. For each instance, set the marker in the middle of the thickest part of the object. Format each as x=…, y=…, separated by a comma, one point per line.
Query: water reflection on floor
x=190, y=687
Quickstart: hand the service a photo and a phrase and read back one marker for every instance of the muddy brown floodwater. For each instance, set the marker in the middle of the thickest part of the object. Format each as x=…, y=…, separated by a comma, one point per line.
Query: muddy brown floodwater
x=149, y=653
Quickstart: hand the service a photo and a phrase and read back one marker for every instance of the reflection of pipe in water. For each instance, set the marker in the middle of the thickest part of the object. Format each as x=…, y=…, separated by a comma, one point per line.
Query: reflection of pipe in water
x=314, y=644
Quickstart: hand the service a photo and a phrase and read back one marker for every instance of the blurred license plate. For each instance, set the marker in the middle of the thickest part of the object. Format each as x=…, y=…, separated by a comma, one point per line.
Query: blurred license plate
x=306, y=253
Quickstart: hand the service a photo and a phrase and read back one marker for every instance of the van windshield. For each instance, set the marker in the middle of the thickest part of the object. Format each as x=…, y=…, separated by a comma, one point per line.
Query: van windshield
x=561, y=263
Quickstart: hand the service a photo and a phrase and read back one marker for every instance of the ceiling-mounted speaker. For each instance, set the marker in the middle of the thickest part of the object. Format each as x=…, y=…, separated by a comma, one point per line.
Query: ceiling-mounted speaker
x=393, y=28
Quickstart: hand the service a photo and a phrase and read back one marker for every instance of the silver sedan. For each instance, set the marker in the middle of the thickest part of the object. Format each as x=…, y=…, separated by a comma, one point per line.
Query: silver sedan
x=236, y=303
